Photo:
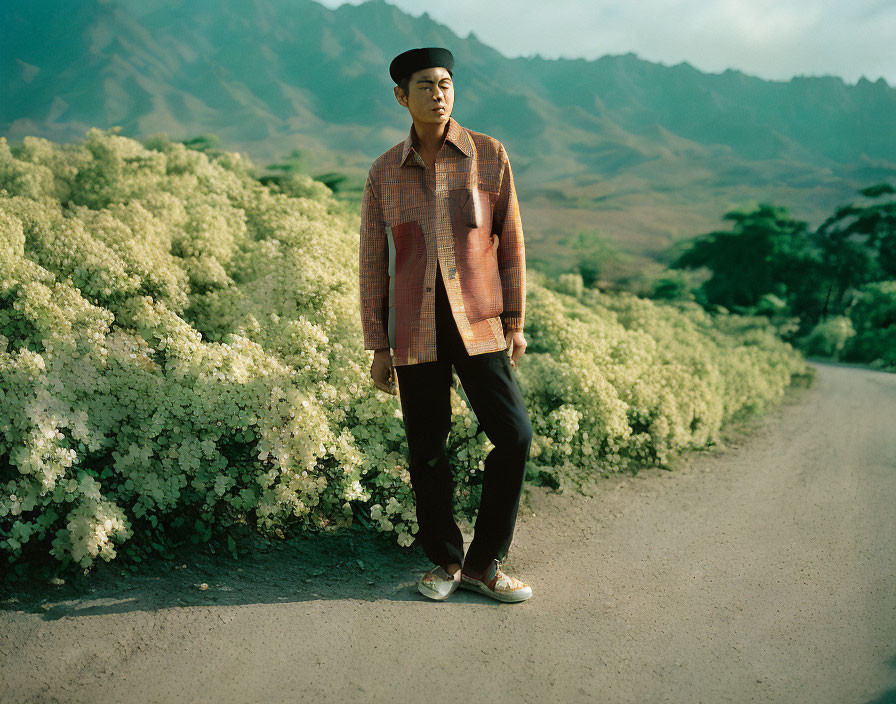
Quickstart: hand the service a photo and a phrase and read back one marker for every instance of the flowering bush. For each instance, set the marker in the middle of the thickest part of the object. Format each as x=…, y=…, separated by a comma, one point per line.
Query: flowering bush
x=180, y=348
x=615, y=381
x=828, y=337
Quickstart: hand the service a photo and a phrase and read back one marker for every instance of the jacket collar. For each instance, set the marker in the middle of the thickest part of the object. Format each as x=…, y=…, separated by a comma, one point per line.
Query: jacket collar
x=456, y=134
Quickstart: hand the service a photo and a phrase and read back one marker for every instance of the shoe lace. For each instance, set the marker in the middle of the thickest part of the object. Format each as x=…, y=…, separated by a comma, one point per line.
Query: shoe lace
x=506, y=580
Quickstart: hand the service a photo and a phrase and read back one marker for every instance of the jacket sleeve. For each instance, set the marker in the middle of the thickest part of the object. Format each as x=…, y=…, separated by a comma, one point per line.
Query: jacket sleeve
x=373, y=268
x=511, y=250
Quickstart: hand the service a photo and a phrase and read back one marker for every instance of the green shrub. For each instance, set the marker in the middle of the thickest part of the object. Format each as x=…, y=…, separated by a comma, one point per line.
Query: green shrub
x=873, y=314
x=828, y=338
x=181, y=353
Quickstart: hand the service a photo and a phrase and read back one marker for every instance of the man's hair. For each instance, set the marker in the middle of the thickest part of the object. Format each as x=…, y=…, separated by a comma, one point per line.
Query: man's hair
x=405, y=82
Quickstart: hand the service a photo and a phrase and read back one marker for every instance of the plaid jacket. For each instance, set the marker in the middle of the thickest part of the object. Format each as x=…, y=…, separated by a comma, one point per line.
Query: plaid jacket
x=465, y=217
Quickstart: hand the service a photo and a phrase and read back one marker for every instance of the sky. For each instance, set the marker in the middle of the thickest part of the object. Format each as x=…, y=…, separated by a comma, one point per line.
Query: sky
x=771, y=39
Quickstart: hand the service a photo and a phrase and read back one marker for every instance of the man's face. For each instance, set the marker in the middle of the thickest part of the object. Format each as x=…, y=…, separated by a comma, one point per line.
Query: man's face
x=428, y=89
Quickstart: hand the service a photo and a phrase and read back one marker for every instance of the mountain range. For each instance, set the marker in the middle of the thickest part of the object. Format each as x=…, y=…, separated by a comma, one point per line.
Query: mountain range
x=639, y=153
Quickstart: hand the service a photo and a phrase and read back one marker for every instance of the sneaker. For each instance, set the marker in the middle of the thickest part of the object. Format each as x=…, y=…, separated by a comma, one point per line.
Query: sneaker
x=501, y=586
x=437, y=584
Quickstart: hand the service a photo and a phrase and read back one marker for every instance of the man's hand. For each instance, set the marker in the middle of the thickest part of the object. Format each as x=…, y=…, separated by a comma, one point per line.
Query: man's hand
x=519, y=345
x=383, y=373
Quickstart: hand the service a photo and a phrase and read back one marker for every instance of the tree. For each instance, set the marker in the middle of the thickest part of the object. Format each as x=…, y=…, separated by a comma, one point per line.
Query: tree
x=595, y=256
x=858, y=245
x=332, y=180
x=766, y=252
x=292, y=165
x=293, y=162
x=208, y=143
x=873, y=315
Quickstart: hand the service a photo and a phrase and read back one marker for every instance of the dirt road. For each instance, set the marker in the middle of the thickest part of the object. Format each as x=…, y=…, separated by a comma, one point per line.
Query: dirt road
x=761, y=572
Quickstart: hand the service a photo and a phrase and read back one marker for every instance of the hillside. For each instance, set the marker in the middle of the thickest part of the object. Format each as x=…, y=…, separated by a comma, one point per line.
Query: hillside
x=638, y=152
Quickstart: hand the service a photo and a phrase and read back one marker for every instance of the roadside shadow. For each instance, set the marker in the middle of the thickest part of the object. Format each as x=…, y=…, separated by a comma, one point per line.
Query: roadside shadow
x=888, y=696
x=348, y=563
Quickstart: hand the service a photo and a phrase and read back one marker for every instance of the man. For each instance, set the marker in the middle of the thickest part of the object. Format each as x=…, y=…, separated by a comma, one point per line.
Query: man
x=443, y=283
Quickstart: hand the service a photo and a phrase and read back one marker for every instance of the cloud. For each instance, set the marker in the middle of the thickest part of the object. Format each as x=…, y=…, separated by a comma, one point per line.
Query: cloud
x=767, y=38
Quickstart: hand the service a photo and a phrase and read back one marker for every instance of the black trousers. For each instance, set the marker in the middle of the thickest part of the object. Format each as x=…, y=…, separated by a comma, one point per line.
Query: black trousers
x=497, y=401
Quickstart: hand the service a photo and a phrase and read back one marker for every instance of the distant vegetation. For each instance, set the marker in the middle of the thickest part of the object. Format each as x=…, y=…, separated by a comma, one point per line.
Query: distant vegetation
x=181, y=359
x=292, y=177
x=831, y=291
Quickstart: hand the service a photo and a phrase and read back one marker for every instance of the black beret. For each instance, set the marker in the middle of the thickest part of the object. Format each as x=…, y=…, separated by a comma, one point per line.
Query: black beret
x=416, y=59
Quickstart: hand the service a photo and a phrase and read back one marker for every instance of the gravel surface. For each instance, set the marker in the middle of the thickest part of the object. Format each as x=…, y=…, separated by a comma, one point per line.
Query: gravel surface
x=761, y=571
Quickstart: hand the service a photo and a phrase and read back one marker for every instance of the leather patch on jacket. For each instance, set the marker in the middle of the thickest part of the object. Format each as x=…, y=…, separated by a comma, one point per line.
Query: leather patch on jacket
x=410, y=277
x=476, y=252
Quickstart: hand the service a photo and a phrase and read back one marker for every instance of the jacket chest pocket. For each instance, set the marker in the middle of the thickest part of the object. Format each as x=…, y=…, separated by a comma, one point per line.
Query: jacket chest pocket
x=475, y=252
x=471, y=213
